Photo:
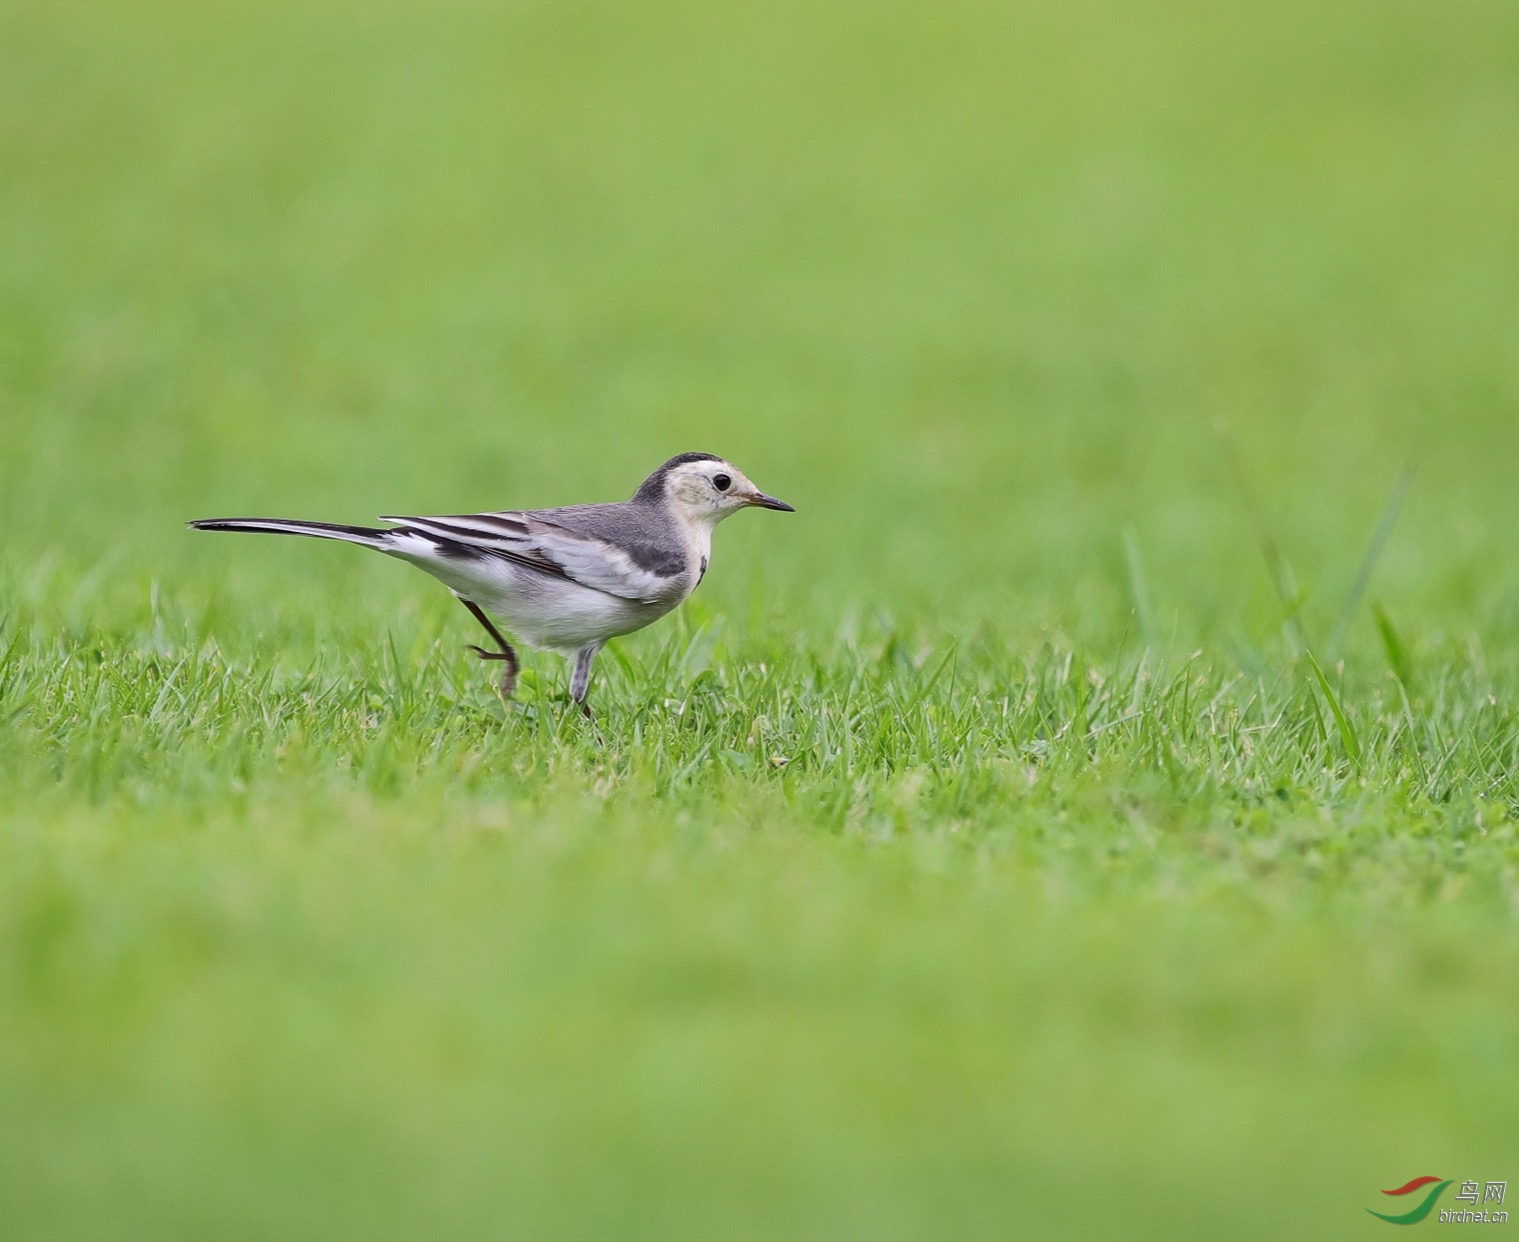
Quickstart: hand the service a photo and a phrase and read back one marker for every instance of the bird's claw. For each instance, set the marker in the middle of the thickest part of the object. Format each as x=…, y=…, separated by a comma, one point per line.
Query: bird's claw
x=508, y=684
x=585, y=710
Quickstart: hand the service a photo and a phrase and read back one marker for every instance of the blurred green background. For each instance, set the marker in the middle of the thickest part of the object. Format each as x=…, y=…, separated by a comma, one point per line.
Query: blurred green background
x=977, y=286
x=1040, y=316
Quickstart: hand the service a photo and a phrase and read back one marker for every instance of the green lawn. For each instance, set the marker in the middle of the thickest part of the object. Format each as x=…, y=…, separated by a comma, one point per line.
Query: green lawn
x=1092, y=815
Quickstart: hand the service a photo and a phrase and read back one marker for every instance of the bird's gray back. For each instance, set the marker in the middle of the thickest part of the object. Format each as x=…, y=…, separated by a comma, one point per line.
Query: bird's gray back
x=646, y=532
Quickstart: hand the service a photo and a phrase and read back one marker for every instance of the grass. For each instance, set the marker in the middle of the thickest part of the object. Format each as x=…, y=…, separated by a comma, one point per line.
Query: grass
x=1091, y=815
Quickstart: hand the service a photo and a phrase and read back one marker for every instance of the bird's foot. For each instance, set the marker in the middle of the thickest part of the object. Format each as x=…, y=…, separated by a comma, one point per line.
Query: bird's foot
x=508, y=683
x=585, y=710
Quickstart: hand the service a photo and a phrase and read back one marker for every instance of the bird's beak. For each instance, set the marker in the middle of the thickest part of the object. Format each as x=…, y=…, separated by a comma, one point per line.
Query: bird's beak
x=763, y=501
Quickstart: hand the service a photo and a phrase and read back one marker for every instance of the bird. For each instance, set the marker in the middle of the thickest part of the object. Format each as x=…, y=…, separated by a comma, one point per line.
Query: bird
x=565, y=579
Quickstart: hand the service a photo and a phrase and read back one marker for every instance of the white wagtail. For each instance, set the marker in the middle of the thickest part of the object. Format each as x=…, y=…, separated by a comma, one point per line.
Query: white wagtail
x=565, y=579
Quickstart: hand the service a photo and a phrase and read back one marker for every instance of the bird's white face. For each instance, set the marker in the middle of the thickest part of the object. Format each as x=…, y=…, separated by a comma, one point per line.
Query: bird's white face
x=705, y=492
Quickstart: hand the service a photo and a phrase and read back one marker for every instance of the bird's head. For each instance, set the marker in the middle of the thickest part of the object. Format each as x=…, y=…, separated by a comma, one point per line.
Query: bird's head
x=704, y=489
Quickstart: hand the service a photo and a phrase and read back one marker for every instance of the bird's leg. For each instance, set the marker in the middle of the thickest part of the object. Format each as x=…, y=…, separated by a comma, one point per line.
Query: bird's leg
x=508, y=681
x=580, y=678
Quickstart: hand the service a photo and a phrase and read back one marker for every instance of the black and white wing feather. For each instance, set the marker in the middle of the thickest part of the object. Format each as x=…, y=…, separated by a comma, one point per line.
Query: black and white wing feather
x=550, y=548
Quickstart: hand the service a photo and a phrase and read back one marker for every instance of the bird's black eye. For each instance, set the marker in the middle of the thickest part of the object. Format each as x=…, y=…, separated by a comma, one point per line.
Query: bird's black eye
x=722, y=482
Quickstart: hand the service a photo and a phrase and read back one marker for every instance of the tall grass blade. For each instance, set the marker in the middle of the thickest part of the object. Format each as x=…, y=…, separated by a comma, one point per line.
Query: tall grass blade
x=1392, y=648
x=1348, y=737
x=1139, y=589
x=1368, y=565
x=1279, y=571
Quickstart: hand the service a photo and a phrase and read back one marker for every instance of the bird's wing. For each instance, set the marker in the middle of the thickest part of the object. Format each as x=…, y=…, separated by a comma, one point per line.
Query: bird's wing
x=548, y=548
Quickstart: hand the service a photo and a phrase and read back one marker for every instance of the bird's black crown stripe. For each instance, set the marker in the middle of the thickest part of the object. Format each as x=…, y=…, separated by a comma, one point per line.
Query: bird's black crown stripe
x=653, y=488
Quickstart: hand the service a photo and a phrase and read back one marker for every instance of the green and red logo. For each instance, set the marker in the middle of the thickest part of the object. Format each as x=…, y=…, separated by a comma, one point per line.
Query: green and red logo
x=1477, y=1194
x=1422, y=1209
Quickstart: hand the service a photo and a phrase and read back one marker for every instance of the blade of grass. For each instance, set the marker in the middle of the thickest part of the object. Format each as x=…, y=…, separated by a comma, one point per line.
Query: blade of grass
x=1392, y=647
x=1138, y=588
x=1369, y=559
x=1348, y=737
x=1276, y=564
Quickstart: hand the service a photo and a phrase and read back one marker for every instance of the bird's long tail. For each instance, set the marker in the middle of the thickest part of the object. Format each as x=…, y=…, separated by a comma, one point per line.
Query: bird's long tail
x=368, y=536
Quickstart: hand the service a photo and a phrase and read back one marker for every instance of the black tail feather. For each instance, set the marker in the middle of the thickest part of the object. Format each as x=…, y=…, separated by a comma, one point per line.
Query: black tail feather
x=372, y=536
